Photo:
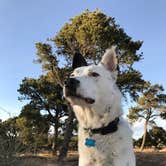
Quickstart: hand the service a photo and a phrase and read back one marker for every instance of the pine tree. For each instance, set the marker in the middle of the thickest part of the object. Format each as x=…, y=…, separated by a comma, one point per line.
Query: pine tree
x=151, y=104
x=90, y=33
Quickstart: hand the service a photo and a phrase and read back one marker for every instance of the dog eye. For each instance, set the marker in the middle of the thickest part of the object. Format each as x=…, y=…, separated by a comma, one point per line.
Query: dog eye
x=72, y=74
x=94, y=74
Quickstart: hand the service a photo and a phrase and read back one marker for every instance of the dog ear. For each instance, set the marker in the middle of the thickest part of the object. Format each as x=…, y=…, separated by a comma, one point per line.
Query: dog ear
x=78, y=60
x=110, y=61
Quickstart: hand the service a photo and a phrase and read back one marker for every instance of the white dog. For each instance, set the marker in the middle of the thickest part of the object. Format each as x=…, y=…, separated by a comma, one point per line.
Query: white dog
x=104, y=136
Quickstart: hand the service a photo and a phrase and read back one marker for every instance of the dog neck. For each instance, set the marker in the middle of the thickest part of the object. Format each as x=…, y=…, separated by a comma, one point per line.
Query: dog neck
x=93, y=119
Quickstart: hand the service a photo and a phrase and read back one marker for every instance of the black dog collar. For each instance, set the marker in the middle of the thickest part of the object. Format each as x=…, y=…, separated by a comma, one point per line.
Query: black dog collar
x=110, y=128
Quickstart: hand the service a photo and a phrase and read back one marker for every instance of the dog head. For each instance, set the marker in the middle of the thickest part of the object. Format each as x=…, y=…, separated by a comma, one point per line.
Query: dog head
x=94, y=87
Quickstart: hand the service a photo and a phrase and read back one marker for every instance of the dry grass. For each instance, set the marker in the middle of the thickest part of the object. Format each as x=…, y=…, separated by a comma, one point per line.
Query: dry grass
x=32, y=161
x=150, y=150
x=143, y=159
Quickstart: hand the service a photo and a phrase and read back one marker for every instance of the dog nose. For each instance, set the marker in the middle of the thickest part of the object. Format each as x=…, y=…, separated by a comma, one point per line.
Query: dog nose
x=71, y=83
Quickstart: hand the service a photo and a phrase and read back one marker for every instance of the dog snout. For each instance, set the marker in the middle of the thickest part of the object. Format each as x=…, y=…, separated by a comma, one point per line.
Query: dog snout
x=71, y=85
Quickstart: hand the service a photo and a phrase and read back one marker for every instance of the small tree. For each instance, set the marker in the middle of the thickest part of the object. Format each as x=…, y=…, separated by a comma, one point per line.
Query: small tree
x=43, y=96
x=158, y=137
x=10, y=143
x=33, y=128
x=151, y=104
x=155, y=137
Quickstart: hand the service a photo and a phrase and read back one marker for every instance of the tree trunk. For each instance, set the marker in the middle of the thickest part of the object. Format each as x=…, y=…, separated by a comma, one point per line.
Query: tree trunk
x=144, y=136
x=55, y=140
x=67, y=136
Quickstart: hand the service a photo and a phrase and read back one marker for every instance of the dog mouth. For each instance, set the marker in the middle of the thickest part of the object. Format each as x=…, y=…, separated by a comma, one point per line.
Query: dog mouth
x=70, y=94
x=88, y=100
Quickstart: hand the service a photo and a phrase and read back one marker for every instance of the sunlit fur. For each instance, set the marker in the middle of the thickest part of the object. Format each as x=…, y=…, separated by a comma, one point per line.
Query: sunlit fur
x=114, y=149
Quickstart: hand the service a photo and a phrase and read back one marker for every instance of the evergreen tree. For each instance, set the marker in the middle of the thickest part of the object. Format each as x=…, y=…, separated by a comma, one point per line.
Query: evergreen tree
x=43, y=96
x=155, y=138
x=89, y=33
x=33, y=127
x=151, y=104
x=10, y=143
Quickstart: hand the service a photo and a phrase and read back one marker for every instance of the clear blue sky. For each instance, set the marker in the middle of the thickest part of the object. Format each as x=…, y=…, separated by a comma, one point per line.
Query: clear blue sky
x=23, y=23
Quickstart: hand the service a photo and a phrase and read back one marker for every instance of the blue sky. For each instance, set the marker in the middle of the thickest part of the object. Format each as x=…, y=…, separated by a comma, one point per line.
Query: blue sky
x=23, y=23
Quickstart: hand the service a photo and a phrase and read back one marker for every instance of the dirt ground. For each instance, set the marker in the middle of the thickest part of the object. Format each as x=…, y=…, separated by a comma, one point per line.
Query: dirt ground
x=151, y=159
x=143, y=159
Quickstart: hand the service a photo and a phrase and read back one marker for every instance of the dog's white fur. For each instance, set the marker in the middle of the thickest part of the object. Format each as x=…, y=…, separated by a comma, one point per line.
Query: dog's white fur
x=114, y=149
